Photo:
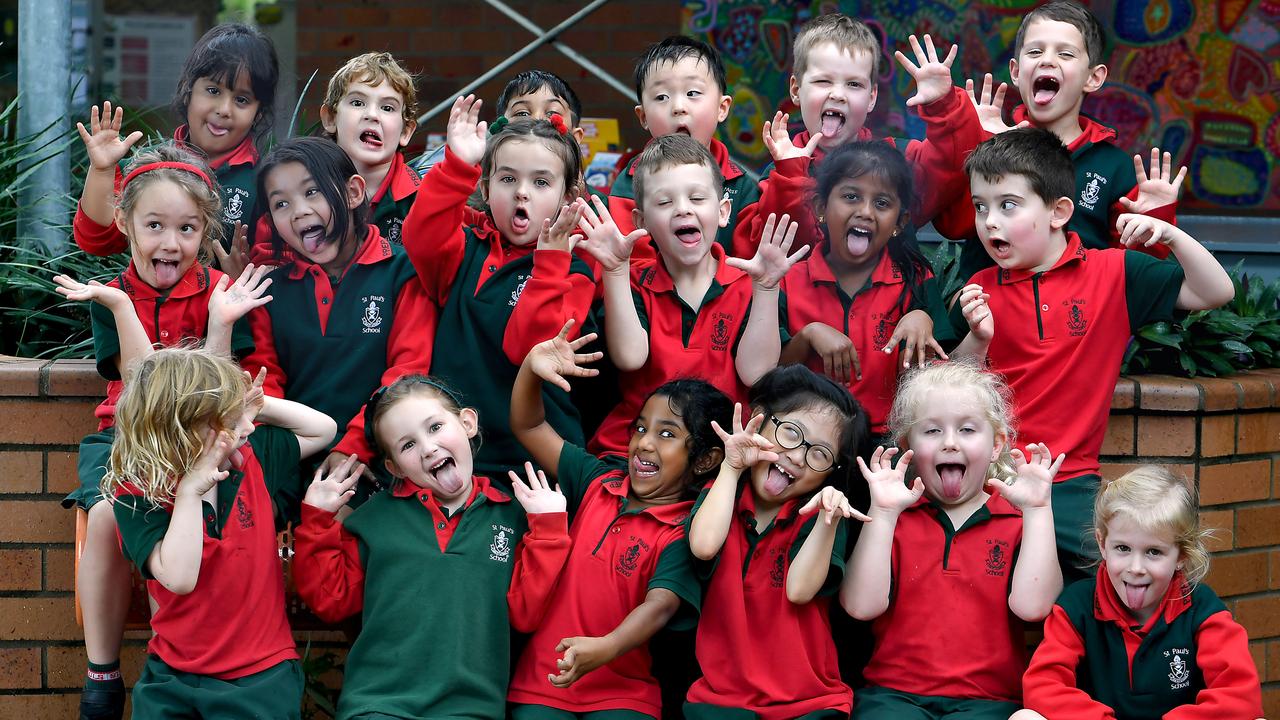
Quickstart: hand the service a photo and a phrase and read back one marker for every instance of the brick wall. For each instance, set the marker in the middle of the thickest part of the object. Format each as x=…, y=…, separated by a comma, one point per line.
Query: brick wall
x=1225, y=433
x=451, y=43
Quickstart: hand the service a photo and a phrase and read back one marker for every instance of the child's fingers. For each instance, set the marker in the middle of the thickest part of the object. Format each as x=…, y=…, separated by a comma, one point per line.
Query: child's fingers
x=754, y=424
x=930, y=51
x=951, y=55
x=968, y=88
x=1182, y=174
x=917, y=49
x=812, y=145
x=578, y=342
x=769, y=224
x=855, y=362
x=564, y=329
x=1139, y=168
x=905, y=460
x=719, y=431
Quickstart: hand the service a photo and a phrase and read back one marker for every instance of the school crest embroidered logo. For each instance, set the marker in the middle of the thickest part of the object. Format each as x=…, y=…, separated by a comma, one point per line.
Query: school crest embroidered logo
x=627, y=563
x=1179, y=670
x=997, y=557
x=393, y=230
x=235, y=201
x=243, y=514
x=778, y=573
x=1076, y=321
x=515, y=294
x=372, y=319
x=1092, y=191
x=720, y=332
x=882, y=333
x=500, y=548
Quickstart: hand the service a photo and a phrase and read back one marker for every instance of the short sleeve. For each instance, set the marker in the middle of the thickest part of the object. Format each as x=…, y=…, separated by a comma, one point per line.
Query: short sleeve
x=277, y=451
x=836, y=571
x=106, y=341
x=703, y=569
x=1151, y=288
x=578, y=469
x=641, y=313
x=928, y=297
x=675, y=573
x=142, y=525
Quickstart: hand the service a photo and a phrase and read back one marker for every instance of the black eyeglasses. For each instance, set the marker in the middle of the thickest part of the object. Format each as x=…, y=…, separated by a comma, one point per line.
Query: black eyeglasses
x=789, y=436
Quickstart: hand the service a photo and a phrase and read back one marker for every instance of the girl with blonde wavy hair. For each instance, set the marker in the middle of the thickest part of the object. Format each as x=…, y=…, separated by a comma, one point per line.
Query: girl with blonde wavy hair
x=951, y=566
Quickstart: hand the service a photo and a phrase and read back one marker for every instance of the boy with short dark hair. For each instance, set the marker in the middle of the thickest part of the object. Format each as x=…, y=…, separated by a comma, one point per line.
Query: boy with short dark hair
x=1055, y=317
x=1058, y=59
x=681, y=88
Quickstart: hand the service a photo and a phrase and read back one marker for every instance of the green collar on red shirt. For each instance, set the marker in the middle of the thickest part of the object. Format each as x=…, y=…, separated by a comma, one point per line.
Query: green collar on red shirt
x=1090, y=131
x=374, y=249
x=787, y=514
x=401, y=180
x=884, y=273
x=1108, y=606
x=728, y=168
x=193, y=282
x=246, y=153
x=618, y=484
x=657, y=279
x=1074, y=252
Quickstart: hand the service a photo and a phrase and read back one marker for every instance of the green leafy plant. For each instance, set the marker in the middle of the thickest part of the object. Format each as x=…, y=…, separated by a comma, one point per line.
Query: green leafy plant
x=321, y=697
x=1242, y=335
x=944, y=258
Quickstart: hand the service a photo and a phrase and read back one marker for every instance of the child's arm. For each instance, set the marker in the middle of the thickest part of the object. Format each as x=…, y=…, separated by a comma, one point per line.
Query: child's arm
x=314, y=429
x=433, y=230
x=552, y=361
x=745, y=447
x=231, y=301
x=977, y=313
x=808, y=571
x=1049, y=685
x=1205, y=284
x=327, y=570
x=134, y=343
x=543, y=550
x=625, y=336
x=552, y=294
x=584, y=654
x=1231, y=682
x=767, y=268
x=175, y=559
x=868, y=579
x=1154, y=195
x=839, y=356
x=1037, y=579
x=916, y=330
x=94, y=227
x=786, y=189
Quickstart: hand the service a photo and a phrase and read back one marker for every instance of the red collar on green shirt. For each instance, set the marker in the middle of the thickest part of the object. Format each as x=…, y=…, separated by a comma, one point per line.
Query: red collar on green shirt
x=618, y=484
x=1074, y=252
x=479, y=484
x=401, y=180
x=375, y=249
x=1090, y=130
x=884, y=273
x=728, y=167
x=787, y=514
x=1107, y=605
x=246, y=153
x=193, y=282
x=657, y=279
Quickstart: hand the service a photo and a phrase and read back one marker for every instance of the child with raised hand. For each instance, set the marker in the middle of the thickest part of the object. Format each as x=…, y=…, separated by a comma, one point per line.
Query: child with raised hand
x=437, y=567
x=1144, y=638
x=168, y=211
x=865, y=288
x=764, y=637
x=511, y=281
x=193, y=480
x=834, y=82
x=686, y=313
x=349, y=314
x=975, y=527
x=629, y=571
x=1054, y=312
x=225, y=97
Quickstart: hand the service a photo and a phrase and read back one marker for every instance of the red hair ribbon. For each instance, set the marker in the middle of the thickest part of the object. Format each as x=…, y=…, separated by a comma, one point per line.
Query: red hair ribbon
x=170, y=165
x=558, y=123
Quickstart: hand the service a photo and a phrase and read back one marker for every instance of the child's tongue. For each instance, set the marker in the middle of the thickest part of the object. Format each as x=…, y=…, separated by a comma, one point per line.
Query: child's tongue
x=166, y=273
x=1135, y=596
x=1043, y=96
x=520, y=223
x=312, y=242
x=448, y=478
x=777, y=482
x=857, y=243
x=952, y=477
x=831, y=125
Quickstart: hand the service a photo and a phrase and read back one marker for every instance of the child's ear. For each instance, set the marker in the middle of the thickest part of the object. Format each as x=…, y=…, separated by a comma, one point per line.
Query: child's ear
x=470, y=421
x=874, y=87
x=644, y=123
x=726, y=208
x=328, y=120
x=637, y=217
x=410, y=127
x=1097, y=76
x=903, y=218
x=726, y=102
x=1062, y=209
x=793, y=87
x=1013, y=69
x=390, y=465
x=578, y=134
x=709, y=461
x=355, y=191
x=122, y=223
x=998, y=447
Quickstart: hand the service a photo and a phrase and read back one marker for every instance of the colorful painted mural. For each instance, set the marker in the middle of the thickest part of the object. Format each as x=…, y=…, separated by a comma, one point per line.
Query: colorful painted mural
x=1198, y=78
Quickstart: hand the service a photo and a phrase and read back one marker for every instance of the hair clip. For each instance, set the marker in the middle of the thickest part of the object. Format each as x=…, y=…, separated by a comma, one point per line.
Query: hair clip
x=558, y=123
x=497, y=125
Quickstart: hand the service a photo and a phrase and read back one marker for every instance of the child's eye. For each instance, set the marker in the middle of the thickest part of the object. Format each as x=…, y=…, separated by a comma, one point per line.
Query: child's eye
x=666, y=434
x=698, y=198
x=640, y=428
x=882, y=204
x=242, y=100
x=1122, y=548
x=980, y=208
x=822, y=81
x=855, y=84
x=280, y=205
x=153, y=225
x=542, y=182
x=506, y=179
x=849, y=197
x=693, y=93
x=660, y=97
x=406, y=446
x=435, y=426
x=521, y=113
x=388, y=108
x=188, y=227
x=356, y=102
x=1007, y=205
x=1033, y=52
x=312, y=191
x=932, y=431
x=1155, y=552
x=213, y=90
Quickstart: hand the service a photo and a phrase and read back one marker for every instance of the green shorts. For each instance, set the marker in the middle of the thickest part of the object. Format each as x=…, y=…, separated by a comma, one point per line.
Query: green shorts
x=878, y=703
x=542, y=712
x=1073, y=525
x=91, y=466
x=704, y=711
x=165, y=693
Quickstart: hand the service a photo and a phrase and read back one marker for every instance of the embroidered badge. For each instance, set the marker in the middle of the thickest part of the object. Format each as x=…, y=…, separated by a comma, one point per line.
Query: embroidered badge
x=234, y=204
x=997, y=557
x=1091, y=193
x=243, y=514
x=1179, y=670
x=500, y=548
x=778, y=573
x=882, y=333
x=720, y=331
x=1076, y=321
x=515, y=294
x=393, y=230
x=372, y=319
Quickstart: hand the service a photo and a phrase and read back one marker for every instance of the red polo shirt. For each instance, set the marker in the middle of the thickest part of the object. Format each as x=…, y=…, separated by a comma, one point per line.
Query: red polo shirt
x=1061, y=335
x=969, y=646
x=758, y=650
x=683, y=342
x=619, y=554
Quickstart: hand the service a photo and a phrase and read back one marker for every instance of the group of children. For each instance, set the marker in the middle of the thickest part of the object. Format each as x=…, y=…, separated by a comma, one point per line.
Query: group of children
x=569, y=455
